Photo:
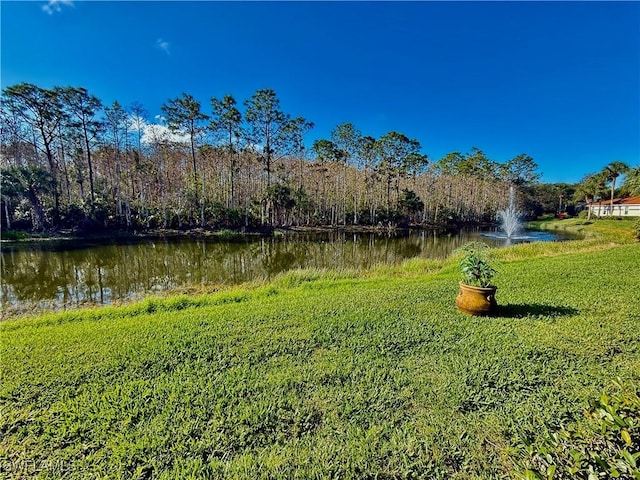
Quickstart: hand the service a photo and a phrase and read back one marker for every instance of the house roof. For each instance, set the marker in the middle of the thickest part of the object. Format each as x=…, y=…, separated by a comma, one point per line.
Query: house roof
x=620, y=201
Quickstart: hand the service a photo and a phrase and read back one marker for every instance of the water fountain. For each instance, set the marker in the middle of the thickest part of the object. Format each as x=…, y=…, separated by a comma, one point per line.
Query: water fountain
x=511, y=226
x=510, y=217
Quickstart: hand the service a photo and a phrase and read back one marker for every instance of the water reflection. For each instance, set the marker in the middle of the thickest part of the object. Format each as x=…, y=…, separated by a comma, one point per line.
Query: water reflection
x=72, y=273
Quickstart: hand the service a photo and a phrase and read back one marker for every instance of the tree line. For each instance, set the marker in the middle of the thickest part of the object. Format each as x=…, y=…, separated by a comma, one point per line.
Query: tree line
x=69, y=161
x=571, y=199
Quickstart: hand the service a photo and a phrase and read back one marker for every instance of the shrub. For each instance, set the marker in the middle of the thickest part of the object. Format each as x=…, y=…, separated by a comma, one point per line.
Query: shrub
x=13, y=235
x=603, y=444
x=388, y=215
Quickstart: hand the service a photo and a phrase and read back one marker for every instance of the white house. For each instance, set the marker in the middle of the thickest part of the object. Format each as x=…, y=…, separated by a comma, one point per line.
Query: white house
x=622, y=207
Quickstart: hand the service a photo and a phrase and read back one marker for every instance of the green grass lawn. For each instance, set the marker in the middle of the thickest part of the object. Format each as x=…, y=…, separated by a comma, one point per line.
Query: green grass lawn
x=325, y=374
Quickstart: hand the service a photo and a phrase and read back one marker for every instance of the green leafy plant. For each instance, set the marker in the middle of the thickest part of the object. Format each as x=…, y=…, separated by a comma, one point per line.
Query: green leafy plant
x=603, y=444
x=475, y=265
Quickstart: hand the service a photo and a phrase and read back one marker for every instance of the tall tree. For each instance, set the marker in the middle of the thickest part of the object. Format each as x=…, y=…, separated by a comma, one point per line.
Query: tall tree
x=368, y=153
x=475, y=164
x=117, y=120
x=398, y=154
x=327, y=151
x=450, y=163
x=82, y=109
x=297, y=128
x=41, y=111
x=612, y=172
x=329, y=157
x=267, y=127
x=138, y=122
x=295, y=132
x=271, y=133
x=519, y=171
x=227, y=121
x=142, y=167
x=347, y=138
x=184, y=116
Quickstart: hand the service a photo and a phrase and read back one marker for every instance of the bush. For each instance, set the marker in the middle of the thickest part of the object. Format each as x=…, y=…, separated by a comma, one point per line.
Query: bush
x=222, y=217
x=636, y=229
x=388, y=215
x=71, y=216
x=603, y=444
x=13, y=235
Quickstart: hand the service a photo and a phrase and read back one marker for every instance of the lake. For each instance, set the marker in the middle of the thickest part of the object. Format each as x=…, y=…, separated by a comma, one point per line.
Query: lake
x=70, y=273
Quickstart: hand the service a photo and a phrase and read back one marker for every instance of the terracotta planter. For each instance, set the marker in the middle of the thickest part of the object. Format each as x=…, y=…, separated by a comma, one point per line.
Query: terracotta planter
x=476, y=300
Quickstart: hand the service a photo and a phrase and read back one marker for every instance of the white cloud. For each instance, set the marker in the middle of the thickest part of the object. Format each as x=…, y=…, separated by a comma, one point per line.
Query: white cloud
x=163, y=45
x=56, y=6
x=153, y=133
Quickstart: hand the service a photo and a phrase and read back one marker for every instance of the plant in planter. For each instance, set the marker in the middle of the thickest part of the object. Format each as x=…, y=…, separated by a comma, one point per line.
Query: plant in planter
x=477, y=295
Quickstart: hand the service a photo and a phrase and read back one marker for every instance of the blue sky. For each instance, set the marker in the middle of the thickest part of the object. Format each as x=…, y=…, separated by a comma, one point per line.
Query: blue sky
x=559, y=81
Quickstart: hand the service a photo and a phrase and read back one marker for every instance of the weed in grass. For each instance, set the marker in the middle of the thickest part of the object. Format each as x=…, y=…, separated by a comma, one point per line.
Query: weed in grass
x=602, y=444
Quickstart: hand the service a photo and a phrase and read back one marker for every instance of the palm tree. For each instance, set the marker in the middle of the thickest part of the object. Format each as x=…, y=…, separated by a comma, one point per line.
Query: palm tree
x=590, y=188
x=631, y=183
x=612, y=172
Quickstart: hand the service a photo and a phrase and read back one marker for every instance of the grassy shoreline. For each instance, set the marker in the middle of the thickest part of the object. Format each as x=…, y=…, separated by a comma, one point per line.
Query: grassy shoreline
x=325, y=374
